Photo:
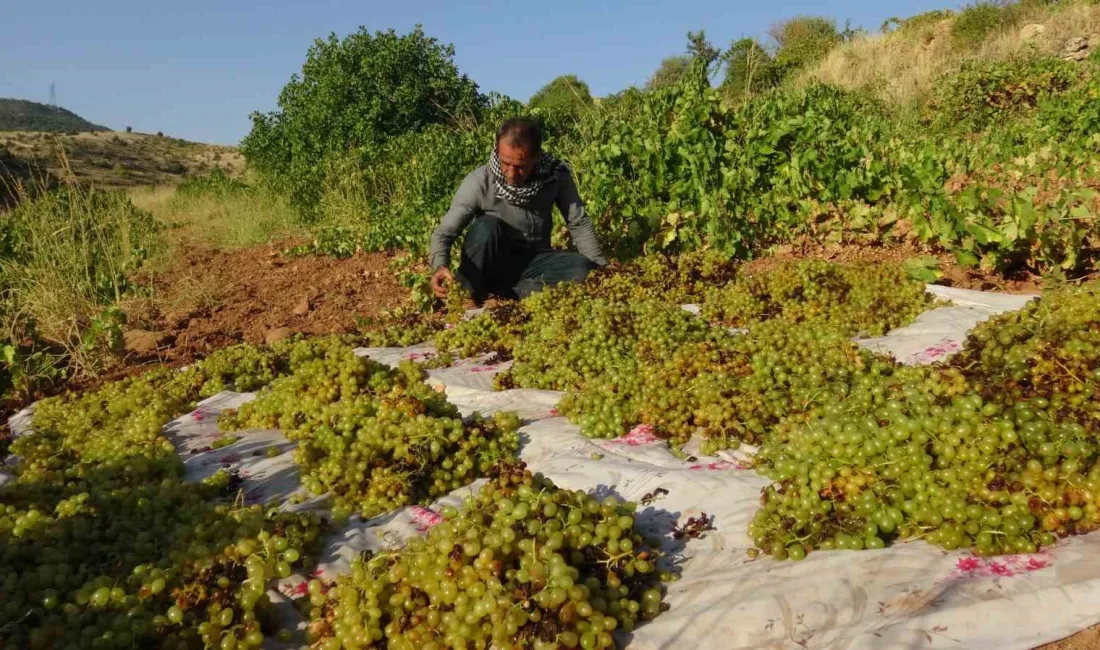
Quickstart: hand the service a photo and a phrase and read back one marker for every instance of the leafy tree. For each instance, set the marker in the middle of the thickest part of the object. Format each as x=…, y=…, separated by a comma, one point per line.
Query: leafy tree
x=700, y=48
x=669, y=73
x=355, y=94
x=749, y=68
x=802, y=41
x=562, y=101
x=701, y=56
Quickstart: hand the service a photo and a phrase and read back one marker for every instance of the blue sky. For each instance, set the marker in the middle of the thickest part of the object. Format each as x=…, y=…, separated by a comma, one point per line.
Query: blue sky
x=196, y=69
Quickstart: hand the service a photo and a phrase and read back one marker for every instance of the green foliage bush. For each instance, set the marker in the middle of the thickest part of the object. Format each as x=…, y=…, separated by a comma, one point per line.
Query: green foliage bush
x=395, y=198
x=976, y=22
x=687, y=172
x=355, y=94
x=1074, y=114
x=670, y=72
x=215, y=182
x=984, y=91
x=1001, y=177
x=802, y=41
x=562, y=102
x=750, y=68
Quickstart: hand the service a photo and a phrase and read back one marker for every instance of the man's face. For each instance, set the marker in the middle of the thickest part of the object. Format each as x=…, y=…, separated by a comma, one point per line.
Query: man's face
x=516, y=162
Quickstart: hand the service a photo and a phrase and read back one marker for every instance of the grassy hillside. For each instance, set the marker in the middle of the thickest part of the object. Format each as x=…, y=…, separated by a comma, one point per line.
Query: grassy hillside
x=23, y=115
x=116, y=159
x=903, y=63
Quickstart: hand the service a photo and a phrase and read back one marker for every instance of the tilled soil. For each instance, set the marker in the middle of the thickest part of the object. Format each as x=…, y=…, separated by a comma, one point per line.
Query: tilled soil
x=1086, y=640
x=208, y=299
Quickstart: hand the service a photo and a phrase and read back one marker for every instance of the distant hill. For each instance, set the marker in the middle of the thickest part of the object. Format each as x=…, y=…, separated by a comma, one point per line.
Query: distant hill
x=23, y=115
x=117, y=159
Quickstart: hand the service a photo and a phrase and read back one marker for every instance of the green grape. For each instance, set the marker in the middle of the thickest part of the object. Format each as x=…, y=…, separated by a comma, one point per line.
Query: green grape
x=376, y=438
x=100, y=528
x=461, y=582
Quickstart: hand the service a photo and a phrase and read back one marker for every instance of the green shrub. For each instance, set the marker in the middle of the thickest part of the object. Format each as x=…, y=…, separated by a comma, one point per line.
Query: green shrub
x=355, y=94
x=984, y=91
x=802, y=41
x=749, y=68
x=1074, y=114
x=978, y=21
x=917, y=23
x=395, y=199
x=682, y=171
x=670, y=72
x=997, y=174
x=562, y=102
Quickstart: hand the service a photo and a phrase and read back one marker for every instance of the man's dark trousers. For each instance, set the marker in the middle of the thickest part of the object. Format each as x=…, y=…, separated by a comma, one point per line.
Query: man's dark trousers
x=496, y=261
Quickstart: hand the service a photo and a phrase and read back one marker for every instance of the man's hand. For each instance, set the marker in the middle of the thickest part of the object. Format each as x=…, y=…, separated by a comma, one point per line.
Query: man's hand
x=440, y=280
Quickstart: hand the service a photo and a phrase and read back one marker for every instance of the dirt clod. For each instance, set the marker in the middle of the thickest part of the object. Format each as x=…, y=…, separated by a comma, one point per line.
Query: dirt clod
x=278, y=334
x=143, y=341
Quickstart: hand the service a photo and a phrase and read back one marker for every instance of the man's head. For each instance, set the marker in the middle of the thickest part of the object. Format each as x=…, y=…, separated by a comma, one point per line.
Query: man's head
x=519, y=145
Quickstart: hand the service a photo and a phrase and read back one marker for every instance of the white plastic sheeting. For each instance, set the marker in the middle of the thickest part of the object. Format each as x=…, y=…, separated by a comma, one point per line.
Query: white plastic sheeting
x=911, y=595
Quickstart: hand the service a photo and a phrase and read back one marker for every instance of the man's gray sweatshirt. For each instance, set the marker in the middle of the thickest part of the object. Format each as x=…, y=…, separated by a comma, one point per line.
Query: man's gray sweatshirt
x=476, y=196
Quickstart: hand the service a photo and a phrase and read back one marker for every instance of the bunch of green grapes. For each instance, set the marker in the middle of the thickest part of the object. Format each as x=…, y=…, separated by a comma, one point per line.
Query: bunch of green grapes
x=608, y=405
x=670, y=280
x=566, y=348
x=959, y=474
x=498, y=329
x=992, y=451
x=157, y=565
x=1048, y=350
x=638, y=363
x=375, y=437
x=782, y=370
x=105, y=546
x=523, y=564
x=673, y=279
x=411, y=324
x=121, y=422
x=854, y=299
x=399, y=327
x=726, y=389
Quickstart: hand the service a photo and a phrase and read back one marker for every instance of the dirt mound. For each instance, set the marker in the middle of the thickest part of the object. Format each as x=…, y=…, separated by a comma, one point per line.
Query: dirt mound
x=209, y=299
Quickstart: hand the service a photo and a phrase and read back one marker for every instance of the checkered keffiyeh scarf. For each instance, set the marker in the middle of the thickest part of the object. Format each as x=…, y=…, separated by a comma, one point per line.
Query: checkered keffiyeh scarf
x=545, y=174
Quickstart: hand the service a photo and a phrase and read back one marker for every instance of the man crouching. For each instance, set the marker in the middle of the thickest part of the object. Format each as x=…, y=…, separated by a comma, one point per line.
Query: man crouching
x=509, y=200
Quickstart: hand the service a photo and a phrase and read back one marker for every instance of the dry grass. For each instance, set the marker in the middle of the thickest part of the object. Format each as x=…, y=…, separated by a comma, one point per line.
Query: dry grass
x=225, y=221
x=901, y=67
x=192, y=290
x=74, y=249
